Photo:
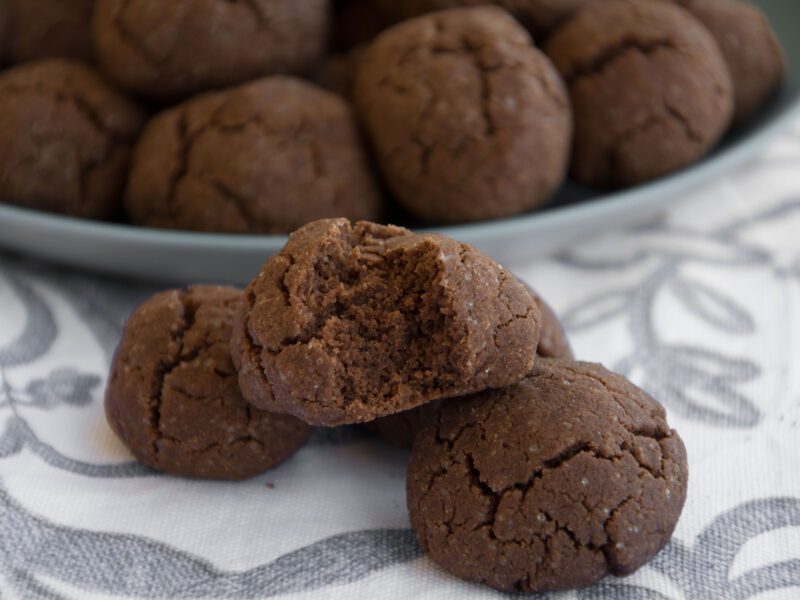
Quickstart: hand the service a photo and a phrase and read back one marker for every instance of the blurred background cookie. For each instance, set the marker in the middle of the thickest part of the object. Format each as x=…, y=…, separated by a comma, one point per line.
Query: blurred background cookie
x=748, y=44
x=468, y=120
x=649, y=87
x=548, y=484
x=31, y=29
x=266, y=157
x=173, y=399
x=171, y=50
x=65, y=139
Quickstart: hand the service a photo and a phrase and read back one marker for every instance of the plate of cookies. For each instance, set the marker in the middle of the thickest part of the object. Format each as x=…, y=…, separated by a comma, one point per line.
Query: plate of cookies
x=147, y=139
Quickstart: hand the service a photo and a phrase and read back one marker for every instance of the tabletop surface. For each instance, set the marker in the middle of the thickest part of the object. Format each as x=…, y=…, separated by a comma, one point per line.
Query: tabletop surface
x=701, y=307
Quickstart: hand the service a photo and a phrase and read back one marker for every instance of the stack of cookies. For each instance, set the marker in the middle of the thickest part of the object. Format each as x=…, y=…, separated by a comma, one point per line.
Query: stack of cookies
x=213, y=116
x=529, y=471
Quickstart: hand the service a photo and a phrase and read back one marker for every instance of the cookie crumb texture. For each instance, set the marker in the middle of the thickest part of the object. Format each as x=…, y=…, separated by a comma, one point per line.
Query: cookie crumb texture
x=65, y=139
x=346, y=324
x=173, y=397
x=266, y=157
x=468, y=120
x=649, y=87
x=548, y=484
x=171, y=50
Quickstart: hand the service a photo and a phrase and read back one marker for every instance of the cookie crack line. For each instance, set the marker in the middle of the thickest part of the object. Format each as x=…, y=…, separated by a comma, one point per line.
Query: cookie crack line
x=598, y=63
x=167, y=368
x=118, y=23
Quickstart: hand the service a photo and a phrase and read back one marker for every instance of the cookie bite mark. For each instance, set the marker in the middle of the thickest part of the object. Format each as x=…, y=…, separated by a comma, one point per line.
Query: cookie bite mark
x=547, y=484
x=349, y=323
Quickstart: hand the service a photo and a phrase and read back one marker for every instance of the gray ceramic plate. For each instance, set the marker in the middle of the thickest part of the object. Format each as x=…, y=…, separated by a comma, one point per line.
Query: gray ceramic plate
x=180, y=257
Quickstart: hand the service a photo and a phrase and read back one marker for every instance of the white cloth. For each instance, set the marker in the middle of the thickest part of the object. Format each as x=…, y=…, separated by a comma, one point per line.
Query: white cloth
x=700, y=307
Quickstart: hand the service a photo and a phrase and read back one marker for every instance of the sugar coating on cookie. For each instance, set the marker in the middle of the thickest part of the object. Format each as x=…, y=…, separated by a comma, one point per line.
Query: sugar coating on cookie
x=751, y=50
x=649, y=87
x=469, y=121
x=401, y=428
x=171, y=50
x=65, y=139
x=265, y=157
x=173, y=397
x=34, y=29
x=349, y=323
x=548, y=484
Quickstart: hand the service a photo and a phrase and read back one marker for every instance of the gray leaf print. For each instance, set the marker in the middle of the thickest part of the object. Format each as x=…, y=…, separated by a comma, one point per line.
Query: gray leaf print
x=40, y=328
x=712, y=306
x=596, y=309
x=62, y=386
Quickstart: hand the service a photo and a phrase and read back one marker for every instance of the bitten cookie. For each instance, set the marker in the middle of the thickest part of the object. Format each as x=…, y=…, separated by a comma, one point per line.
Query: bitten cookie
x=751, y=51
x=401, y=428
x=548, y=484
x=539, y=16
x=171, y=50
x=65, y=139
x=33, y=29
x=468, y=120
x=266, y=157
x=650, y=90
x=349, y=323
x=173, y=398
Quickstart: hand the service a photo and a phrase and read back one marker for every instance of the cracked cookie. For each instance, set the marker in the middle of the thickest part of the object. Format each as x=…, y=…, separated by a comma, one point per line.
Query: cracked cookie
x=65, y=139
x=266, y=157
x=33, y=29
x=751, y=51
x=539, y=16
x=171, y=50
x=401, y=428
x=547, y=484
x=173, y=397
x=649, y=87
x=468, y=120
x=349, y=323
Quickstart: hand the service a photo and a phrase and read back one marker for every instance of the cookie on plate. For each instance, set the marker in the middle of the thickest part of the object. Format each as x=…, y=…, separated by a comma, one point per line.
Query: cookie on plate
x=401, y=428
x=34, y=29
x=349, y=323
x=265, y=157
x=173, y=397
x=171, y=50
x=548, y=484
x=65, y=139
x=650, y=90
x=469, y=121
x=751, y=50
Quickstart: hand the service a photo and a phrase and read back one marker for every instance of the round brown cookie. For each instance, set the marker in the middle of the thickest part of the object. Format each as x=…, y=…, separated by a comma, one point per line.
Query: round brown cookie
x=401, y=428
x=650, y=90
x=751, y=51
x=346, y=324
x=171, y=50
x=33, y=29
x=65, y=139
x=548, y=484
x=266, y=157
x=468, y=120
x=539, y=16
x=173, y=398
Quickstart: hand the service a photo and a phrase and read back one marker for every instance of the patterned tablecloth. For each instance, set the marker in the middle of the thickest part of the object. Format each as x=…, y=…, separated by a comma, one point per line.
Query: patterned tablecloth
x=701, y=307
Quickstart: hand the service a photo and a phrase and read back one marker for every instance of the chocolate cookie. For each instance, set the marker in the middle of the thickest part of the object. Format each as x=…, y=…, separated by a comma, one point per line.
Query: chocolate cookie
x=171, y=50
x=548, y=484
x=346, y=324
x=650, y=90
x=401, y=428
x=469, y=121
x=173, y=398
x=539, y=16
x=751, y=51
x=33, y=29
x=65, y=139
x=266, y=157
